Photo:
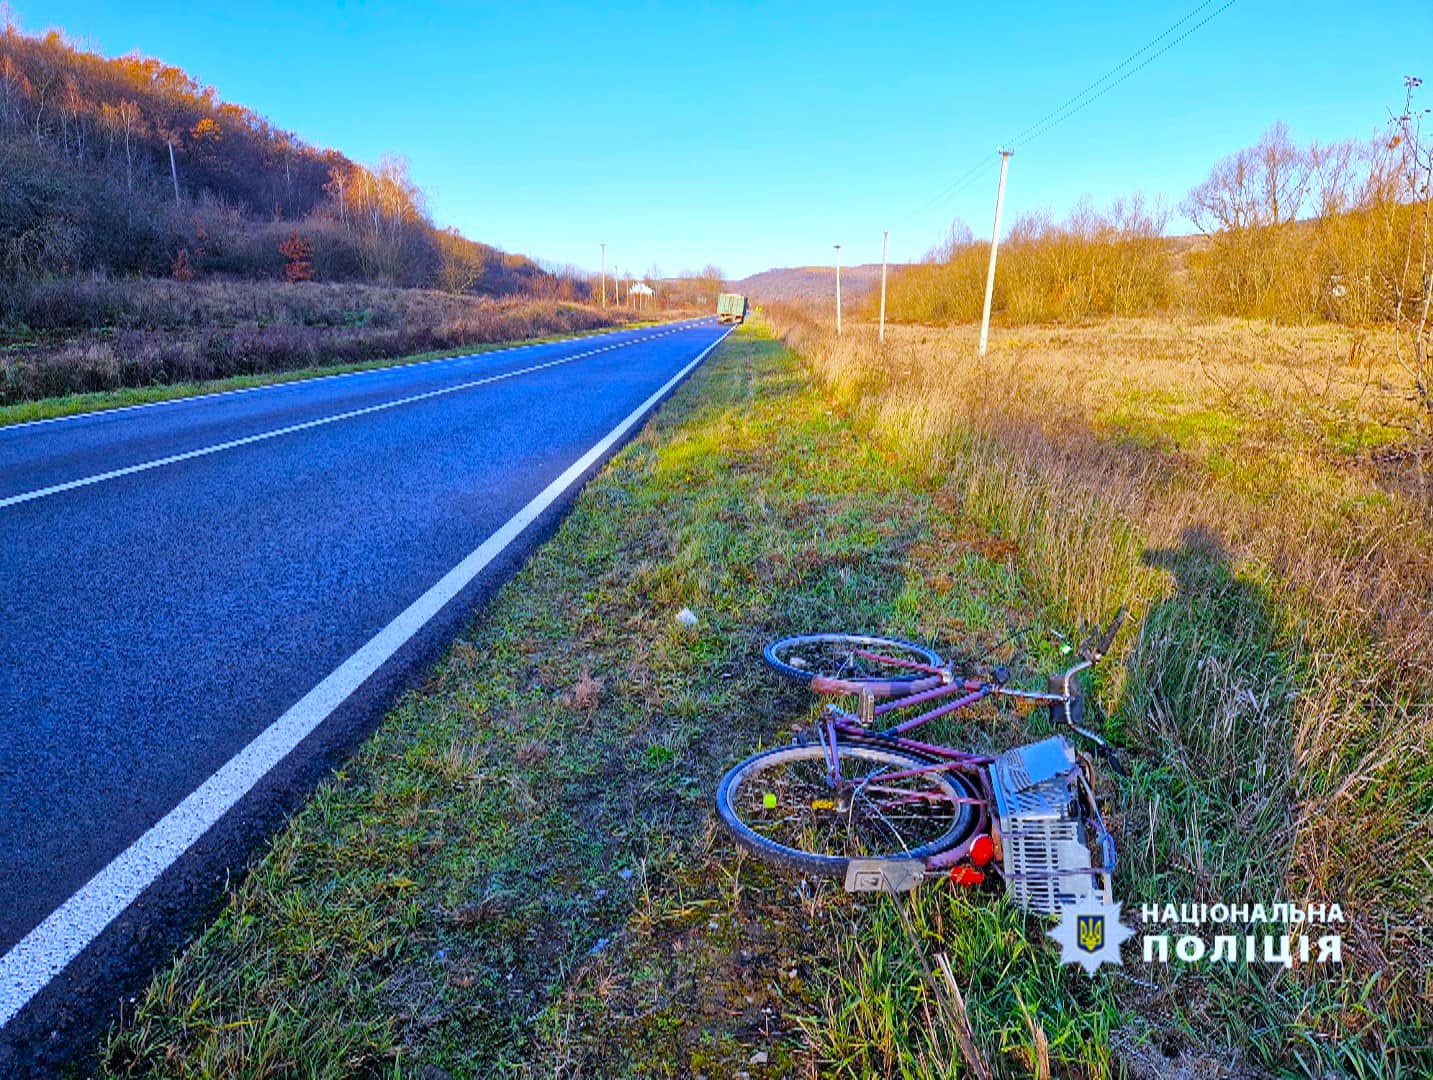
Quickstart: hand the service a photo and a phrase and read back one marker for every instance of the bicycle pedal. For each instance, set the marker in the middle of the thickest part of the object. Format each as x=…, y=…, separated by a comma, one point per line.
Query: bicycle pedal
x=884, y=875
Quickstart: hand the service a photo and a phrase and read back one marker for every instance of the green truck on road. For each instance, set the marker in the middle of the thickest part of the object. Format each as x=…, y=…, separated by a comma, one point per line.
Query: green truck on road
x=731, y=308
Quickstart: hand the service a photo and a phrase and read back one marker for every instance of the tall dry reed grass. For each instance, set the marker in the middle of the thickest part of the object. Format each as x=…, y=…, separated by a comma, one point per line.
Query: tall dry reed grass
x=68, y=337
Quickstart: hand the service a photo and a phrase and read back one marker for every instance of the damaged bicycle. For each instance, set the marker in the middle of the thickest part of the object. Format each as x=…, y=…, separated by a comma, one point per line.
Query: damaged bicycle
x=863, y=800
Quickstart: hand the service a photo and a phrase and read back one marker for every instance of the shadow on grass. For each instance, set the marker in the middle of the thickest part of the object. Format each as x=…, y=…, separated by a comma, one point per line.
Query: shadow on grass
x=1210, y=698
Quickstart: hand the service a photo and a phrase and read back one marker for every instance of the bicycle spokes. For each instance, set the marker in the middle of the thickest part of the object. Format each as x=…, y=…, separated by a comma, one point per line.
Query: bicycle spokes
x=873, y=808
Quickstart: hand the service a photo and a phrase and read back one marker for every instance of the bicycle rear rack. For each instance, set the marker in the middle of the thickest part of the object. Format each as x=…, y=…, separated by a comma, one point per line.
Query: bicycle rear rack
x=1044, y=834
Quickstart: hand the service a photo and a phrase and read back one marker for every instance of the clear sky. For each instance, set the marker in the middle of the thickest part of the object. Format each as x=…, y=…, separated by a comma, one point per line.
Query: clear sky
x=754, y=135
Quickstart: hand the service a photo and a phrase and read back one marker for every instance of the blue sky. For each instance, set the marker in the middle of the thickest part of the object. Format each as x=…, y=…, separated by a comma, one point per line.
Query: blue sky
x=754, y=135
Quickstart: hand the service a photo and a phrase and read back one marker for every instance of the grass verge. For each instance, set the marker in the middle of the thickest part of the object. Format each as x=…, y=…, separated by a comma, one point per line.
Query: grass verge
x=102, y=400
x=519, y=874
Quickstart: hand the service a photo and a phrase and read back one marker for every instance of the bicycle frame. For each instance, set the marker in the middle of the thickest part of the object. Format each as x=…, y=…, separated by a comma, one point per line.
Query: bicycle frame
x=965, y=692
x=974, y=691
x=971, y=766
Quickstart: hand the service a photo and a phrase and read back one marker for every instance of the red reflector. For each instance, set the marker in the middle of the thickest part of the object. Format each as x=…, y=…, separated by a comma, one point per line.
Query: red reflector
x=965, y=875
x=982, y=850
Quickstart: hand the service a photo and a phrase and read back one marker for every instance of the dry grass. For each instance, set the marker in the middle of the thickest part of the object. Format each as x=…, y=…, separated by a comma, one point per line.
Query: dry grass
x=69, y=337
x=1249, y=493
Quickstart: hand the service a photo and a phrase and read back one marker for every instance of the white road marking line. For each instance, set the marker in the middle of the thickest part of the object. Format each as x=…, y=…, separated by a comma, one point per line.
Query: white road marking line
x=156, y=463
x=291, y=383
x=46, y=950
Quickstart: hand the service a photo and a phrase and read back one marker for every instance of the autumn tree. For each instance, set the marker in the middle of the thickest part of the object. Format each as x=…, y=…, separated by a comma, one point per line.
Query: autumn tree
x=91, y=149
x=297, y=251
x=14, y=89
x=461, y=261
x=182, y=270
x=124, y=119
x=1245, y=207
x=710, y=282
x=1411, y=175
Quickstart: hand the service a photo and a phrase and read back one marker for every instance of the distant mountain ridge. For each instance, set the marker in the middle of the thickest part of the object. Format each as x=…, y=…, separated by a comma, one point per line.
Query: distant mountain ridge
x=813, y=282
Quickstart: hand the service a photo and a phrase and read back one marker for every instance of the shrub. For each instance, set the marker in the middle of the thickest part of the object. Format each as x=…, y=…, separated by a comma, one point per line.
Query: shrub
x=1092, y=264
x=297, y=252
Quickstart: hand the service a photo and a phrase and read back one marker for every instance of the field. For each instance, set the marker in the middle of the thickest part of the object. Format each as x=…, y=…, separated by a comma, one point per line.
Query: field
x=123, y=338
x=521, y=874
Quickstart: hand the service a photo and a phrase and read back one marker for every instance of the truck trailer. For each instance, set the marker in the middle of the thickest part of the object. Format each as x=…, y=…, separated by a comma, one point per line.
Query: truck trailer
x=731, y=308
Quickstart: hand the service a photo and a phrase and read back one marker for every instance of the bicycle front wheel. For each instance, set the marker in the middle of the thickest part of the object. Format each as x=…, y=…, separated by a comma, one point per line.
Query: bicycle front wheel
x=782, y=807
x=851, y=663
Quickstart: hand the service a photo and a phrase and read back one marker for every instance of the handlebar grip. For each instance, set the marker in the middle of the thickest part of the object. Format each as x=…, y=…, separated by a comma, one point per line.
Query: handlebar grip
x=1114, y=763
x=1105, y=640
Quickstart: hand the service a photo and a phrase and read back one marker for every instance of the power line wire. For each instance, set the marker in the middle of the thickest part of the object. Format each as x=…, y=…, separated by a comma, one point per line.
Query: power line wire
x=1033, y=133
x=1131, y=58
x=1091, y=93
x=961, y=182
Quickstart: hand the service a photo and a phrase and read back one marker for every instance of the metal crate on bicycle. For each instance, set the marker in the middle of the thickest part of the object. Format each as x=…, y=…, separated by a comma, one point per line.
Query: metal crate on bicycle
x=867, y=802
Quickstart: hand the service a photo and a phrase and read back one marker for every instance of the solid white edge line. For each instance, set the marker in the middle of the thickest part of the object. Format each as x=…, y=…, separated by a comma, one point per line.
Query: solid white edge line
x=205, y=451
x=50, y=947
x=292, y=383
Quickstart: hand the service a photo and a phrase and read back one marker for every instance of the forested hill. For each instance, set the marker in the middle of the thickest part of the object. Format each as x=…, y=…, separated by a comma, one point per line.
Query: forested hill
x=129, y=165
x=812, y=282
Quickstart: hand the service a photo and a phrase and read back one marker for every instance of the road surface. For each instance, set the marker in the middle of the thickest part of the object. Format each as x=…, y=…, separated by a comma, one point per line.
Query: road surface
x=207, y=601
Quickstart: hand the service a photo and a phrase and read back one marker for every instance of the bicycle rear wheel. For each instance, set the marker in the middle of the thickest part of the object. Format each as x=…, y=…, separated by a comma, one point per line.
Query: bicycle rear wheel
x=851, y=663
x=780, y=805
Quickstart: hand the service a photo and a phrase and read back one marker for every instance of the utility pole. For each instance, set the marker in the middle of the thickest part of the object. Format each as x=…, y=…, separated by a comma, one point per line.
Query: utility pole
x=885, y=243
x=604, y=274
x=838, y=289
x=994, y=243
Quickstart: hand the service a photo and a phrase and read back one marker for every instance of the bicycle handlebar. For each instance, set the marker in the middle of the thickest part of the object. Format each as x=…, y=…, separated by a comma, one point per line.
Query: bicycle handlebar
x=1069, y=704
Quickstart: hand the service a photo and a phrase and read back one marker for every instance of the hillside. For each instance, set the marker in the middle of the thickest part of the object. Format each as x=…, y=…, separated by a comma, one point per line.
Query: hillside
x=812, y=282
x=129, y=166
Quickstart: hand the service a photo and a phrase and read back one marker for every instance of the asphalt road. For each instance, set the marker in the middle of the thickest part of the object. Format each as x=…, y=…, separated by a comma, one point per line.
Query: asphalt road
x=182, y=579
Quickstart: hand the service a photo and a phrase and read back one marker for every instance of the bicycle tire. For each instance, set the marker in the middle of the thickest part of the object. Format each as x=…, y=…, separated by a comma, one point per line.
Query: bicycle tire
x=749, y=819
x=827, y=664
